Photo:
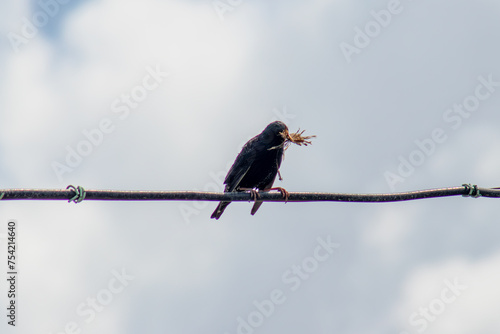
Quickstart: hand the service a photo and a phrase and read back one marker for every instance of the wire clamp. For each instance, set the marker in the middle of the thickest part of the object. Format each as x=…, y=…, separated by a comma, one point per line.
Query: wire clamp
x=472, y=190
x=79, y=194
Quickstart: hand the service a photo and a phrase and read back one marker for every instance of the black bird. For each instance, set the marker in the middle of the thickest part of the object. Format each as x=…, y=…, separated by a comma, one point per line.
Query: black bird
x=257, y=165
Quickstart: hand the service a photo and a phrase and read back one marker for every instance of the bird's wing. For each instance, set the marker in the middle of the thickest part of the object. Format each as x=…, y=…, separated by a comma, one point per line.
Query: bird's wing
x=241, y=165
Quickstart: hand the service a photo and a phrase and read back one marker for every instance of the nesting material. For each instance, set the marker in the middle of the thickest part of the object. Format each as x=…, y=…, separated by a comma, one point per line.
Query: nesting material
x=298, y=138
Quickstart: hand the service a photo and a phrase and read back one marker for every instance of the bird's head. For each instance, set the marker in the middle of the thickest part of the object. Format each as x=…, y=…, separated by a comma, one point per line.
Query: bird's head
x=278, y=134
x=277, y=130
x=275, y=134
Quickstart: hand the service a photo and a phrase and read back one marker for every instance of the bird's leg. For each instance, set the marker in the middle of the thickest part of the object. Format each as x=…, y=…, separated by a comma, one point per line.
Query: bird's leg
x=279, y=176
x=283, y=192
x=253, y=192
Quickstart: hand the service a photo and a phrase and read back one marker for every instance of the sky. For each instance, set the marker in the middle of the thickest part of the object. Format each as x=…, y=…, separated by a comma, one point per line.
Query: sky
x=161, y=95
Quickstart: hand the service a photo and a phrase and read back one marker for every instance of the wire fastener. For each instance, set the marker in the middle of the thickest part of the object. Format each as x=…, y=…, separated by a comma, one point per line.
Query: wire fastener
x=472, y=190
x=79, y=194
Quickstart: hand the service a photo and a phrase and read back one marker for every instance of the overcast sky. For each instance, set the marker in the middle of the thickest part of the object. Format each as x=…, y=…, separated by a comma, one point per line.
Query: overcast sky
x=161, y=95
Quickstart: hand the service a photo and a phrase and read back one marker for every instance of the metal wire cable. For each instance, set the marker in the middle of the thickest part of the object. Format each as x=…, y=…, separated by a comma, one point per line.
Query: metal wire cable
x=77, y=194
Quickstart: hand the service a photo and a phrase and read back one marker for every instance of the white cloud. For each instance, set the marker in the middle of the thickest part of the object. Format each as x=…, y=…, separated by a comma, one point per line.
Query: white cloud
x=475, y=307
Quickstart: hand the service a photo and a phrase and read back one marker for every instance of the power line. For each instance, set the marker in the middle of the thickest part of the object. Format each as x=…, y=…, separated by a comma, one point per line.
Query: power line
x=77, y=194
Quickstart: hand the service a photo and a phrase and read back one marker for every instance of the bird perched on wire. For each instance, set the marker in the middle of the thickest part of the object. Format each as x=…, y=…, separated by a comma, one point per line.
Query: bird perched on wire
x=258, y=163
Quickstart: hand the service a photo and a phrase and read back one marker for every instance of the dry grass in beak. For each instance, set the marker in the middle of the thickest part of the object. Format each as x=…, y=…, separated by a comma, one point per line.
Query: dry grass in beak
x=296, y=138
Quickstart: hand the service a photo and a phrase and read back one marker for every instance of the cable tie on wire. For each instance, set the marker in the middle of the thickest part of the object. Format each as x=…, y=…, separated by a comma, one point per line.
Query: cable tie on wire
x=79, y=194
x=472, y=190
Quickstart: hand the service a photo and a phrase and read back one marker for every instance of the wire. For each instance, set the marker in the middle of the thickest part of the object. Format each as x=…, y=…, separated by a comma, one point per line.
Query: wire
x=77, y=194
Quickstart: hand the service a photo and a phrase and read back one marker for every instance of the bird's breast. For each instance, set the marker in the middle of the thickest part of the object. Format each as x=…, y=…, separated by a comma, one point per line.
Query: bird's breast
x=263, y=170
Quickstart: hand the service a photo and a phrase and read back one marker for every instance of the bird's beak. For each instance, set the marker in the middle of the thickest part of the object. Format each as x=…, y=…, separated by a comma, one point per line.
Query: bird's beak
x=287, y=136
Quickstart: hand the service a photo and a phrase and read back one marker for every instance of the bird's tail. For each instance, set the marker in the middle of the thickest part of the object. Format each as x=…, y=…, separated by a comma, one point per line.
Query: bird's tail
x=219, y=210
x=256, y=207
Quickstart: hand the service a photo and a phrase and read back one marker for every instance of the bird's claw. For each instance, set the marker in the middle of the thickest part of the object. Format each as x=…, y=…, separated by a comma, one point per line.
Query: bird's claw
x=283, y=192
x=253, y=193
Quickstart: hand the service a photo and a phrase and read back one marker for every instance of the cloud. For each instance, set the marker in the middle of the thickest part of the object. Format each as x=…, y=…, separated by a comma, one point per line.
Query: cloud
x=473, y=309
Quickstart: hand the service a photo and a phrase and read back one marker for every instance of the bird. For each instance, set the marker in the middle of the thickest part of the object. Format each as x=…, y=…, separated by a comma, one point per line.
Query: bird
x=257, y=165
